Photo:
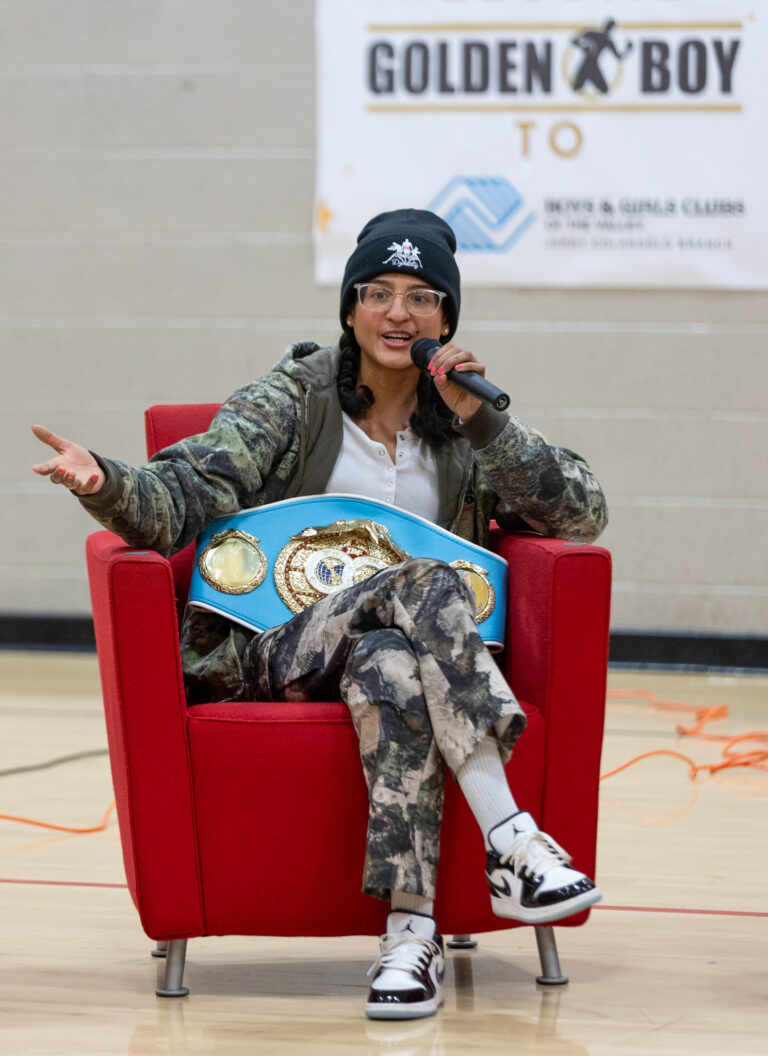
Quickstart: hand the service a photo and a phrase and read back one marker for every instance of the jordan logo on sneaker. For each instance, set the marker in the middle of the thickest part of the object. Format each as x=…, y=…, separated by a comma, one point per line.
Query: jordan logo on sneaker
x=409, y=928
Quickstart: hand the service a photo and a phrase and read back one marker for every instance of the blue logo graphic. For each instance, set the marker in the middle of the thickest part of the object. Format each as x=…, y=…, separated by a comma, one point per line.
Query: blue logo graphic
x=486, y=212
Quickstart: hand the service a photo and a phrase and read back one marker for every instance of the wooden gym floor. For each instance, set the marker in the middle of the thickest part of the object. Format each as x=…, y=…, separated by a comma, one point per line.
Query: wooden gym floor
x=673, y=960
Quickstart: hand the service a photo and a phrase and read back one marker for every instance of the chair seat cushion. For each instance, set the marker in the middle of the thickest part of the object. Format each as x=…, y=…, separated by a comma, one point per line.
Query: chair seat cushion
x=279, y=792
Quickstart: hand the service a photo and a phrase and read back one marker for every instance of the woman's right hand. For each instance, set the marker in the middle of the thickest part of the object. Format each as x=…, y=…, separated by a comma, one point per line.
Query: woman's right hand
x=74, y=466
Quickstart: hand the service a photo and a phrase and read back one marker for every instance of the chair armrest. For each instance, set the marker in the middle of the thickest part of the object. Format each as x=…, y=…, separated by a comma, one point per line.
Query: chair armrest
x=558, y=615
x=557, y=659
x=134, y=612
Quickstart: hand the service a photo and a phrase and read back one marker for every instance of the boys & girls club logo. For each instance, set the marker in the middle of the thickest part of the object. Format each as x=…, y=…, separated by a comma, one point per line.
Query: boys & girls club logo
x=487, y=213
x=551, y=77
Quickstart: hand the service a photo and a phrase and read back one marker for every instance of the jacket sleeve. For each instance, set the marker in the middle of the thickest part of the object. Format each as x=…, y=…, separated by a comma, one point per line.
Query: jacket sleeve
x=243, y=460
x=551, y=489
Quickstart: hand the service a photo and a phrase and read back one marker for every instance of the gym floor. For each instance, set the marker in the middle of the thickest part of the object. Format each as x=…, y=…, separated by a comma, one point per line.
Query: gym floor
x=672, y=961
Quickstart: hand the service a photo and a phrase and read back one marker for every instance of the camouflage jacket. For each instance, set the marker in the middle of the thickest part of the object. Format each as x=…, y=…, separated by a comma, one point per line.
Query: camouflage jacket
x=279, y=437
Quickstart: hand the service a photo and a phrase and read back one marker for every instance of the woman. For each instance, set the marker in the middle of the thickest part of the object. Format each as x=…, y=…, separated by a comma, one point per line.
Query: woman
x=401, y=648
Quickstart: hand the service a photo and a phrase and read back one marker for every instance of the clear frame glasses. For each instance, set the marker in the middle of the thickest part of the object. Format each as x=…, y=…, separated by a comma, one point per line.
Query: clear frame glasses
x=419, y=301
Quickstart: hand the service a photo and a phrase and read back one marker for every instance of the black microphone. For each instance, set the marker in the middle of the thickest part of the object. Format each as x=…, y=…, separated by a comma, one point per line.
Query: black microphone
x=472, y=382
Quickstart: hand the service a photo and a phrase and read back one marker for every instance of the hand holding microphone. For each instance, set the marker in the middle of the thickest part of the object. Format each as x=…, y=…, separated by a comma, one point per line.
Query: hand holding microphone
x=470, y=381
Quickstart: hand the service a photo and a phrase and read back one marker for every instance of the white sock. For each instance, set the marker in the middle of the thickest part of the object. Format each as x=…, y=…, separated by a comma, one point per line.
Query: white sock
x=402, y=902
x=484, y=784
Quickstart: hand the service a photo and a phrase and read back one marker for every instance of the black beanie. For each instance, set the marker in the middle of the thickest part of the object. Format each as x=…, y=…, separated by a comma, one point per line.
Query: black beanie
x=411, y=241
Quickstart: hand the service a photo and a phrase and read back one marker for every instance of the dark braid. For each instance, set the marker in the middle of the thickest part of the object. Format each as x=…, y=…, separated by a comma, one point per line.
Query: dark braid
x=355, y=399
x=431, y=421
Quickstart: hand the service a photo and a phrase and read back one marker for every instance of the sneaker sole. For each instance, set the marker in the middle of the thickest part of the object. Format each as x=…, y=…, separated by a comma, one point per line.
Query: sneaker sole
x=416, y=1010
x=502, y=908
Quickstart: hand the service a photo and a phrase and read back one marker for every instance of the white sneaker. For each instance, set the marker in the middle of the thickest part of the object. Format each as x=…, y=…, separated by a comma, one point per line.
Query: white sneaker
x=530, y=876
x=409, y=969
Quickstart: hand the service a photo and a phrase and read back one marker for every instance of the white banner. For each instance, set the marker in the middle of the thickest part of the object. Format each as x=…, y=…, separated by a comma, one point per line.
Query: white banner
x=614, y=143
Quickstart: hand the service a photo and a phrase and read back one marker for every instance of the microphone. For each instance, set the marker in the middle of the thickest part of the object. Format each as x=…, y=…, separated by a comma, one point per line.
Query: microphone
x=422, y=352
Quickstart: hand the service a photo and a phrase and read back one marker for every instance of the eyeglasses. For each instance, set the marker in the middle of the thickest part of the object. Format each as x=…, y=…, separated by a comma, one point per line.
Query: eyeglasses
x=418, y=301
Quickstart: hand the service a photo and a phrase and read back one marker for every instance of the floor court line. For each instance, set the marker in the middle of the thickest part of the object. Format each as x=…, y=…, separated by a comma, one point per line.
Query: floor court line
x=59, y=883
x=620, y=909
x=671, y=909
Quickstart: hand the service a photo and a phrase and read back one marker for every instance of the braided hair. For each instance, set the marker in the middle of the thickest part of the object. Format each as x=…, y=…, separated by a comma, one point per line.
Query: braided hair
x=432, y=419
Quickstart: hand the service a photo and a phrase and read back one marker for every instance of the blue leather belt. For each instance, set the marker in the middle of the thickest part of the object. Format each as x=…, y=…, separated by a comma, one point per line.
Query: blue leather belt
x=262, y=566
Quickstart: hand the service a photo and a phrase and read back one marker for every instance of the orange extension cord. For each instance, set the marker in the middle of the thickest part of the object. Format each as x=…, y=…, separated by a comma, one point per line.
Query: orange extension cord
x=64, y=828
x=756, y=759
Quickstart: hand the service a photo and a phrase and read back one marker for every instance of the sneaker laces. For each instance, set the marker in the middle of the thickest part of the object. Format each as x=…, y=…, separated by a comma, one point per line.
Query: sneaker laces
x=404, y=952
x=535, y=853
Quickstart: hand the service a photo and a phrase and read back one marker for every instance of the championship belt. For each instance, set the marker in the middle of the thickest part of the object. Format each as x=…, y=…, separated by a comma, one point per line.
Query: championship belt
x=262, y=566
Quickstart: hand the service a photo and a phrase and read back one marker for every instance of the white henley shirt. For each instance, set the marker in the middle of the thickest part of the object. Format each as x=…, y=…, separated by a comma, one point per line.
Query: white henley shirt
x=364, y=467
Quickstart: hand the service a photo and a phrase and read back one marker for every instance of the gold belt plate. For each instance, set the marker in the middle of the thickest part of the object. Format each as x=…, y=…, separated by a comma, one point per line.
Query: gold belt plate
x=320, y=561
x=233, y=562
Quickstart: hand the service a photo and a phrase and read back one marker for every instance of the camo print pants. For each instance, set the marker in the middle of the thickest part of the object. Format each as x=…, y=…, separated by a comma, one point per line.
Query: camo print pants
x=401, y=649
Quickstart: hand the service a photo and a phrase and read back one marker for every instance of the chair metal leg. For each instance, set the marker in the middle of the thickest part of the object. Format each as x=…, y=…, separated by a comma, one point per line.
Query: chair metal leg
x=550, y=962
x=160, y=950
x=174, y=970
x=462, y=942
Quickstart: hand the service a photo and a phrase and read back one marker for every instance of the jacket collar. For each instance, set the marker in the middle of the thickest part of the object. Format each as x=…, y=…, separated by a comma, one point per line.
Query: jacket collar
x=322, y=433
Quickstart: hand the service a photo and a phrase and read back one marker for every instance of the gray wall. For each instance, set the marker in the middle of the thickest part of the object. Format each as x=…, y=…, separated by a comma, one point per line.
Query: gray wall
x=156, y=177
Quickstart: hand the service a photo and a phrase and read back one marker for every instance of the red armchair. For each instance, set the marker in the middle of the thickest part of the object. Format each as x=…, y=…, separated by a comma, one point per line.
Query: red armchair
x=208, y=796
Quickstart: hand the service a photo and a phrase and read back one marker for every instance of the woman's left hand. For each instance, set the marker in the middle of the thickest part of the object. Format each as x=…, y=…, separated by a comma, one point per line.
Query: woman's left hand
x=451, y=357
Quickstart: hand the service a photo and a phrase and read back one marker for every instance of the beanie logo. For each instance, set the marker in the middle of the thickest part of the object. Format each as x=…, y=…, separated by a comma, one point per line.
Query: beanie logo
x=404, y=255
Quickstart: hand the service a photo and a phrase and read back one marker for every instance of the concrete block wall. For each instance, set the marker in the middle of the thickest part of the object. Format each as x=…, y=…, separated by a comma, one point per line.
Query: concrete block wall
x=157, y=180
